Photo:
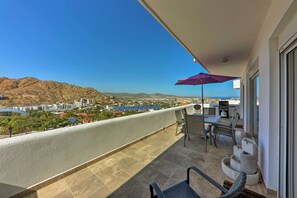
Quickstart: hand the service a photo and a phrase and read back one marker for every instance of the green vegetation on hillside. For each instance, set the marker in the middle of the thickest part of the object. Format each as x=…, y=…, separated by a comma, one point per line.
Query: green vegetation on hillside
x=12, y=124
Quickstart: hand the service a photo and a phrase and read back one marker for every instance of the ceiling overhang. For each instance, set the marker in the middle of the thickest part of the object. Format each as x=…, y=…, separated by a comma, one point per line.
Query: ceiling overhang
x=218, y=34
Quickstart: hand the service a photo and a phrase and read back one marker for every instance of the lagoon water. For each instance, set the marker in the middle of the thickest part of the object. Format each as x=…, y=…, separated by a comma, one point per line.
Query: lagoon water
x=136, y=108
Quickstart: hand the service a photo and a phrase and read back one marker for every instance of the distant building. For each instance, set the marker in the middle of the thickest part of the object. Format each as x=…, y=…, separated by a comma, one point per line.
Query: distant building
x=108, y=107
x=83, y=103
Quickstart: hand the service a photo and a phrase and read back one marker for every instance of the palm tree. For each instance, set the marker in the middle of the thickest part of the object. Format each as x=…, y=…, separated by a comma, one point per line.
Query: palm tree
x=8, y=123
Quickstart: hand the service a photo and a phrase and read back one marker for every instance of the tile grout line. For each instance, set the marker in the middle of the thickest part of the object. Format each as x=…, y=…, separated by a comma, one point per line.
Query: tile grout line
x=96, y=176
x=69, y=188
x=101, y=181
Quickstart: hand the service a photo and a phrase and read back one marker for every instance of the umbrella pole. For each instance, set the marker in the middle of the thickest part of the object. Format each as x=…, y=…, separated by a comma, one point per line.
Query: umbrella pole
x=202, y=98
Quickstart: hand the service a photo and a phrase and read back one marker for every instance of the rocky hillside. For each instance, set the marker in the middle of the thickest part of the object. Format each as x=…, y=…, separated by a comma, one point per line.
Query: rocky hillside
x=31, y=91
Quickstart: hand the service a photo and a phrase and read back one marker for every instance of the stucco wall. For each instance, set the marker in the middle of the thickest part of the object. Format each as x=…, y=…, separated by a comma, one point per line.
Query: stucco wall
x=29, y=159
x=266, y=51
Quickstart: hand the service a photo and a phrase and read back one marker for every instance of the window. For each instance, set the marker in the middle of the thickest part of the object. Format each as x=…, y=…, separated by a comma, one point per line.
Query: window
x=254, y=106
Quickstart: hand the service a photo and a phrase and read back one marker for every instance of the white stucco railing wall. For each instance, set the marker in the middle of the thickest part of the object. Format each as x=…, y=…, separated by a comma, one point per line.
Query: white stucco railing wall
x=30, y=159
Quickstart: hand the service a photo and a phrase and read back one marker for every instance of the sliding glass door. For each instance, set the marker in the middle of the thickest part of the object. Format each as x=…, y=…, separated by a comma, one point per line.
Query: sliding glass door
x=292, y=123
x=288, y=130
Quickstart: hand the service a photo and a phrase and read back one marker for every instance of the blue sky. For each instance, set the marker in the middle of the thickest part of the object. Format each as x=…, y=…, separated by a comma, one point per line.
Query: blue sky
x=110, y=45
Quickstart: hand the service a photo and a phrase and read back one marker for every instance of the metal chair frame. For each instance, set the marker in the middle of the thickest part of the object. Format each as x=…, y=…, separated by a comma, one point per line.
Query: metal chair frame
x=225, y=129
x=195, y=125
x=183, y=189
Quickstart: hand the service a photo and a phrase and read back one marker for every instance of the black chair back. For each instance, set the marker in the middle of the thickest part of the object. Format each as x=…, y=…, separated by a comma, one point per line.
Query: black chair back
x=237, y=187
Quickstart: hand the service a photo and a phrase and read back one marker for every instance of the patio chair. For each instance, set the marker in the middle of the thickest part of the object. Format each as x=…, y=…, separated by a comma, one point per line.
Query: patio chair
x=195, y=126
x=225, y=129
x=180, y=121
x=184, y=190
x=209, y=110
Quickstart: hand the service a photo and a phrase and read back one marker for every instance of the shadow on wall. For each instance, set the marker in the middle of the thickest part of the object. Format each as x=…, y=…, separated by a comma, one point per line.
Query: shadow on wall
x=7, y=190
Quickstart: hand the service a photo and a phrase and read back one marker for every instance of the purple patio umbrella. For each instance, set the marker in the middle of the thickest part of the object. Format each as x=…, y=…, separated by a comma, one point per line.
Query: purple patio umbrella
x=201, y=79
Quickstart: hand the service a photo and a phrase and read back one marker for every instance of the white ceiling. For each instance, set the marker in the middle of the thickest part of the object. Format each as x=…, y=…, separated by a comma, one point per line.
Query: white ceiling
x=213, y=29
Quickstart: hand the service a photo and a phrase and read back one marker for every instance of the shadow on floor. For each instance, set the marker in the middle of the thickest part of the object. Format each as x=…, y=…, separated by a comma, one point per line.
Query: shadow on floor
x=7, y=190
x=170, y=168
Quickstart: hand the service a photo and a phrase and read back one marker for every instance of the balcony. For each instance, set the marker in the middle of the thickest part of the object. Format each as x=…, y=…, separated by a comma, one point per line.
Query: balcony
x=93, y=164
x=160, y=157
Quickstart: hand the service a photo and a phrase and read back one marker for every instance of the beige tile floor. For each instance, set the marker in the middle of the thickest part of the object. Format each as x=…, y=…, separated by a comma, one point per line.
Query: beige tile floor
x=160, y=157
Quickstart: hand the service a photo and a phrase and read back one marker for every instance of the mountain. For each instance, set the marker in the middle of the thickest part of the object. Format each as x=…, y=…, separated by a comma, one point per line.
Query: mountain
x=140, y=95
x=31, y=91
